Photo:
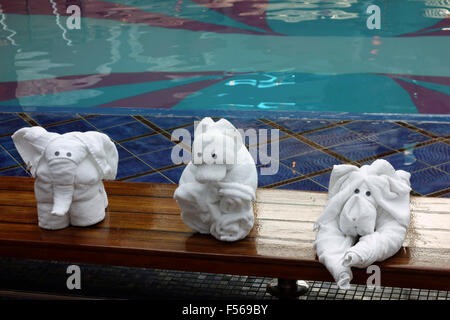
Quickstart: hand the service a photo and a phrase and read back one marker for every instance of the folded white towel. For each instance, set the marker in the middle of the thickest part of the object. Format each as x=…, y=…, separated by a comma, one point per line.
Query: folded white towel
x=217, y=187
x=69, y=169
x=371, y=202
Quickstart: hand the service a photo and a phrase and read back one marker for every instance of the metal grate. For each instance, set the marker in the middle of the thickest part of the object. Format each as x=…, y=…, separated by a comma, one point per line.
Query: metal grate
x=138, y=283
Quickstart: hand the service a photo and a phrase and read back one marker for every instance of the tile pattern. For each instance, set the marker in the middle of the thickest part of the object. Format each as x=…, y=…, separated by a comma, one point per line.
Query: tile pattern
x=308, y=148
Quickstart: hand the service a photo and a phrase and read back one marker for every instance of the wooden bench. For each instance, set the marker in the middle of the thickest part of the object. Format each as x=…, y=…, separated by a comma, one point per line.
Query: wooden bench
x=143, y=228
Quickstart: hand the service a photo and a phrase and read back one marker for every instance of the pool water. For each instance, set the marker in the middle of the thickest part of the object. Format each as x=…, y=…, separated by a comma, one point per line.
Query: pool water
x=132, y=55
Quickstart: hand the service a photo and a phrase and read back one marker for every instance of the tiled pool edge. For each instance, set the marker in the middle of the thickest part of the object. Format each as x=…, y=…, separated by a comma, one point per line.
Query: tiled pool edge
x=338, y=141
x=257, y=113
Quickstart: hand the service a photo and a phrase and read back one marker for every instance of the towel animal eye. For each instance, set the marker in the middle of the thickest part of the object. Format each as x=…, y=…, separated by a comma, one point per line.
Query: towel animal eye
x=214, y=155
x=57, y=153
x=356, y=190
x=68, y=154
x=199, y=154
x=368, y=193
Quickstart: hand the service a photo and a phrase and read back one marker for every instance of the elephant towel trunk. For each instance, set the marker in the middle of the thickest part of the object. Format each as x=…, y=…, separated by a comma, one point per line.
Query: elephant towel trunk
x=69, y=169
x=371, y=202
x=63, y=172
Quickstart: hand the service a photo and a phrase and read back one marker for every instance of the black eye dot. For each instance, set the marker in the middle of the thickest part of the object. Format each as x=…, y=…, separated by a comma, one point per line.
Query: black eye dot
x=199, y=154
x=68, y=154
x=57, y=153
x=368, y=193
x=214, y=155
x=356, y=190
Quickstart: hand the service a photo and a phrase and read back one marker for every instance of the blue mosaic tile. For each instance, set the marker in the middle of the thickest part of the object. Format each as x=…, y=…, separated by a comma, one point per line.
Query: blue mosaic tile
x=45, y=119
x=79, y=125
x=15, y=172
x=181, y=134
x=128, y=130
x=15, y=154
x=286, y=148
x=445, y=167
x=333, y=136
x=131, y=166
x=150, y=178
x=11, y=126
x=273, y=173
x=433, y=154
x=123, y=154
x=302, y=125
x=438, y=128
x=169, y=122
x=158, y=159
x=174, y=174
x=262, y=155
x=6, y=160
x=399, y=138
x=7, y=143
x=403, y=161
x=147, y=144
x=368, y=128
x=291, y=147
x=359, y=149
x=106, y=121
x=311, y=162
x=8, y=116
x=245, y=124
x=323, y=179
x=305, y=184
x=429, y=180
x=257, y=137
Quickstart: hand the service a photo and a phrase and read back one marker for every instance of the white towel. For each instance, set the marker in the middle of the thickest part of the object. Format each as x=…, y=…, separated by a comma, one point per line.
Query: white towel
x=217, y=187
x=371, y=202
x=69, y=169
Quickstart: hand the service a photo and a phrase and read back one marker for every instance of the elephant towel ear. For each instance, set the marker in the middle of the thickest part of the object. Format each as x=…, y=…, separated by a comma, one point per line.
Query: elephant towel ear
x=31, y=144
x=225, y=126
x=339, y=177
x=103, y=150
x=203, y=126
x=341, y=187
x=391, y=192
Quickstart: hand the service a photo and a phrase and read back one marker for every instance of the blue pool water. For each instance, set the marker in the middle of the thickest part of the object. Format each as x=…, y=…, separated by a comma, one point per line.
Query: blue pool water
x=131, y=55
x=338, y=91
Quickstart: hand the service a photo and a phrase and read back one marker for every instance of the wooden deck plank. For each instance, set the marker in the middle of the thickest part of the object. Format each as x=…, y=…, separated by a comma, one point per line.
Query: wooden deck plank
x=147, y=231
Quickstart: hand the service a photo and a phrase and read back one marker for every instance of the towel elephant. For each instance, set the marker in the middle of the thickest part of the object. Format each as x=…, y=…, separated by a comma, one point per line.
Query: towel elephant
x=218, y=185
x=69, y=169
x=372, y=203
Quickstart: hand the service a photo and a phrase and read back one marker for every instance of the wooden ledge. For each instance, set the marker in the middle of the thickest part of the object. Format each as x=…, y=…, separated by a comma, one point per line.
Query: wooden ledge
x=143, y=228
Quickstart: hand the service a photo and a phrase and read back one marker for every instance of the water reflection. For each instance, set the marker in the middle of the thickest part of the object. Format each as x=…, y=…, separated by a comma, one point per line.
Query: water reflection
x=438, y=3
x=294, y=11
x=273, y=81
x=12, y=33
x=436, y=13
x=58, y=22
x=115, y=33
x=293, y=16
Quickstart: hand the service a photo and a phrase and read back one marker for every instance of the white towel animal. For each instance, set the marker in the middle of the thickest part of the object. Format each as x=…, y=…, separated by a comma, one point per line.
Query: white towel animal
x=69, y=169
x=371, y=202
x=218, y=185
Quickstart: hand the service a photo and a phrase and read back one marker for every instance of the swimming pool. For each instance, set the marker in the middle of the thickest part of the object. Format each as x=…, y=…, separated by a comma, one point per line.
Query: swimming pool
x=131, y=55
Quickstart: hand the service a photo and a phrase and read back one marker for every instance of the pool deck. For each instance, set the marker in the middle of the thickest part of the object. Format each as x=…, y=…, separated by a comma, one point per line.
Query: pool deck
x=309, y=145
